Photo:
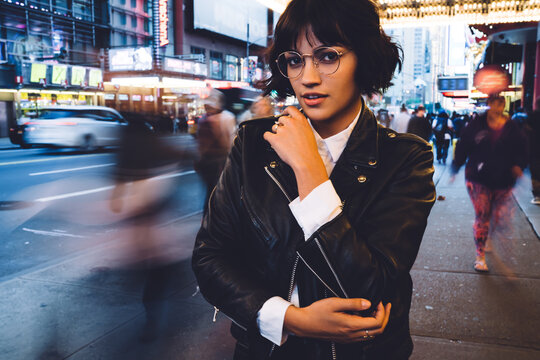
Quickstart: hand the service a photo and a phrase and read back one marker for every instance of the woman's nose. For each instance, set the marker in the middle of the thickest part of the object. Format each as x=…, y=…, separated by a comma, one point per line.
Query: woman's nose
x=311, y=74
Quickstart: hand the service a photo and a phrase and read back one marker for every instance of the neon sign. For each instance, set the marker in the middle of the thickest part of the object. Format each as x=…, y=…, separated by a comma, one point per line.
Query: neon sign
x=163, y=23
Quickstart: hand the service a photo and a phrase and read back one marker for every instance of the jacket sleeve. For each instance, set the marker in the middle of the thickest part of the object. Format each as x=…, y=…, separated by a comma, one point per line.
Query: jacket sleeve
x=223, y=280
x=368, y=259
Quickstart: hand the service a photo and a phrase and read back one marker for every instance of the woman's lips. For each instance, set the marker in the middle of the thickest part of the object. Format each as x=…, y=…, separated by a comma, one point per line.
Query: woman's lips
x=313, y=99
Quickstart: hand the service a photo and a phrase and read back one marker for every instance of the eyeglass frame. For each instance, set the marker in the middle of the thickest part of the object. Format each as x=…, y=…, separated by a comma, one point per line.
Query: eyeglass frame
x=302, y=56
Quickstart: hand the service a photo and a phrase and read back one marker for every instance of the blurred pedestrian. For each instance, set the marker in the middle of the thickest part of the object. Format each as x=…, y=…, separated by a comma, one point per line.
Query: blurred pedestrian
x=383, y=117
x=215, y=132
x=401, y=121
x=419, y=124
x=495, y=151
x=442, y=132
x=307, y=266
x=261, y=107
x=533, y=131
x=143, y=200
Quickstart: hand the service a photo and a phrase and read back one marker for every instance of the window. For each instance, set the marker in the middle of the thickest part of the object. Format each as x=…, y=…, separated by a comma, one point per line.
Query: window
x=216, y=65
x=123, y=19
x=133, y=4
x=134, y=21
x=231, y=67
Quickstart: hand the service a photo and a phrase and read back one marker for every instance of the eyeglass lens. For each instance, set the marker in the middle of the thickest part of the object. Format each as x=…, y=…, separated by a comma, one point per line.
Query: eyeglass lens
x=291, y=64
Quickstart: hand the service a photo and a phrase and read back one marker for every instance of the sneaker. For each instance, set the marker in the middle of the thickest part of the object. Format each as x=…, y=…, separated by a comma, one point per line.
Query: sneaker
x=480, y=265
x=535, y=200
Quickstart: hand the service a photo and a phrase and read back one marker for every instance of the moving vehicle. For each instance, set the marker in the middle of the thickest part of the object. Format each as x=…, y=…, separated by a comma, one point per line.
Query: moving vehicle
x=83, y=127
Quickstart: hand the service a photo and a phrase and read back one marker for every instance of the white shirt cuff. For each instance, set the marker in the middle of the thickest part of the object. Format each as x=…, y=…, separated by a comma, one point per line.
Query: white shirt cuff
x=270, y=320
x=319, y=207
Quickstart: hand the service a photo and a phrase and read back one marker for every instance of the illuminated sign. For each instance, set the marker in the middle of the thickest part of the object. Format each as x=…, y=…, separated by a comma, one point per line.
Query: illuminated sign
x=452, y=83
x=491, y=79
x=185, y=66
x=163, y=23
x=128, y=59
x=59, y=74
x=38, y=72
x=78, y=74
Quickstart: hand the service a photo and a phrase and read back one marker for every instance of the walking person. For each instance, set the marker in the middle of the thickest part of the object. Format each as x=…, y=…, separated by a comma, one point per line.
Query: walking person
x=442, y=132
x=318, y=216
x=401, y=121
x=215, y=132
x=495, y=151
x=533, y=131
x=419, y=125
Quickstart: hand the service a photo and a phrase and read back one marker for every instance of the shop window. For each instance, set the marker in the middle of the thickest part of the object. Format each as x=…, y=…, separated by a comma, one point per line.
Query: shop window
x=231, y=67
x=216, y=65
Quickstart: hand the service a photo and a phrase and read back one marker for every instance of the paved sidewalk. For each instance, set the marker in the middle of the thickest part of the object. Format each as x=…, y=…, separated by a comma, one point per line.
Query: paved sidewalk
x=87, y=307
x=5, y=144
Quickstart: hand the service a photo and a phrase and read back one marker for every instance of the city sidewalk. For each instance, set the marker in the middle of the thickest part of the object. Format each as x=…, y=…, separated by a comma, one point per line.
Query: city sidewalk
x=86, y=308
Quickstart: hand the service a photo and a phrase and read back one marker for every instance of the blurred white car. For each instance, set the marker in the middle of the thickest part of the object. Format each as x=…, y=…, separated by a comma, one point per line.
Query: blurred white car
x=83, y=127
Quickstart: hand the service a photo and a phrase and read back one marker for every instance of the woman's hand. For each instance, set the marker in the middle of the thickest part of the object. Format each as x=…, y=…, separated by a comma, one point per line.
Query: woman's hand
x=331, y=319
x=294, y=142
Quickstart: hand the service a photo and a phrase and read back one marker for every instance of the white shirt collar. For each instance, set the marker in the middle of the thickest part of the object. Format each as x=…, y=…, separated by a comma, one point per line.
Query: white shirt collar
x=335, y=144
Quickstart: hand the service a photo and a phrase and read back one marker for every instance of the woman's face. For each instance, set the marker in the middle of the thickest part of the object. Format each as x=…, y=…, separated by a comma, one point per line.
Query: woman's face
x=330, y=101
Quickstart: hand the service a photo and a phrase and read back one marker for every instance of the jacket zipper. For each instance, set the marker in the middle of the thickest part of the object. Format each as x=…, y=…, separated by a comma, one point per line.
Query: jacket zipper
x=254, y=219
x=331, y=268
x=277, y=183
x=216, y=310
x=289, y=295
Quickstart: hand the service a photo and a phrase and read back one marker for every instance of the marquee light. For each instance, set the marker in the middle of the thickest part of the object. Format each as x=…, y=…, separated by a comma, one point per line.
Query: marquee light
x=437, y=12
x=163, y=23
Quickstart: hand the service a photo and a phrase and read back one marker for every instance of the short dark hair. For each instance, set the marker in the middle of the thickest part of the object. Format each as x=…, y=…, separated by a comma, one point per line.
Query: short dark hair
x=351, y=23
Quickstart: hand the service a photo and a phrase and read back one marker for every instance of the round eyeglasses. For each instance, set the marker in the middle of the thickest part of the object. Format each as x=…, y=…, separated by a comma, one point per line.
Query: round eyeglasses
x=326, y=59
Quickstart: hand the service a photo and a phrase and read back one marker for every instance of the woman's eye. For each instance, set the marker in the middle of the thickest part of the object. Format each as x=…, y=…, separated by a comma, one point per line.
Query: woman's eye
x=294, y=61
x=327, y=56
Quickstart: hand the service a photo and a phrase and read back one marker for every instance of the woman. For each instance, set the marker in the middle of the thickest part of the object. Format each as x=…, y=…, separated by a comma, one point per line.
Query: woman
x=496, y=153
x=318, y=215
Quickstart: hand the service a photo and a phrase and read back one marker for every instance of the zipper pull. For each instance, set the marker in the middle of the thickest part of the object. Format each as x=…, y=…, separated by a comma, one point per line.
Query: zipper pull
x=216, y=310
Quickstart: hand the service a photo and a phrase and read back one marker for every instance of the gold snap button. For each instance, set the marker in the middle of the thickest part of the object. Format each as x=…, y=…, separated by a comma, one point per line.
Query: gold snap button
x=391, y=135
x=362, y=179
x=273, y=164
x=372, y=162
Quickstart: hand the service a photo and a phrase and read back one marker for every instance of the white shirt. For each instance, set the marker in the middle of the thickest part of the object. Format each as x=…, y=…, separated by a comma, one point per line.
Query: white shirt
x=319, y=207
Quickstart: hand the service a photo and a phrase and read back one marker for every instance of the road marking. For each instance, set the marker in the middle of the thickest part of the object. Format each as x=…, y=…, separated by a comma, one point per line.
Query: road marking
x=105, y=188
x=67, y=170
x=73, y=194
x=52, y=233
x=43, y=160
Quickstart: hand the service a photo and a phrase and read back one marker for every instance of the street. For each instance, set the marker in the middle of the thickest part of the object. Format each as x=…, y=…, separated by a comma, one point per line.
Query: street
x=67, y=292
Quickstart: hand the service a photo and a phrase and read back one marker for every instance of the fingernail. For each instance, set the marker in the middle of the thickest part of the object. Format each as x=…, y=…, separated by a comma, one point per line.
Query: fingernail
x=366, y=304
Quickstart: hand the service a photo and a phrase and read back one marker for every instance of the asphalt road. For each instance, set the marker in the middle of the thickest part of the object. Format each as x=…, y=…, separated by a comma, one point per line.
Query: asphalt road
x=54, y=203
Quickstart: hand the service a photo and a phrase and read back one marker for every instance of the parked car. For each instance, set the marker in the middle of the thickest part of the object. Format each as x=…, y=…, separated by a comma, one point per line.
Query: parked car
x=83, y=127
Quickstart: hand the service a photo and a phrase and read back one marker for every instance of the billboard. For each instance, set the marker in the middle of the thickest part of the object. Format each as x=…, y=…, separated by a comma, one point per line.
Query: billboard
x=78, y=73
x=59, y=74
x=130, y=59
x=231, y=18
x=95, y=77
x=38, y=71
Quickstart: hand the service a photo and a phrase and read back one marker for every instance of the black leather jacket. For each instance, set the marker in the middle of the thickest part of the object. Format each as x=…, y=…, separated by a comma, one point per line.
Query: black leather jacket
x=250, y=247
